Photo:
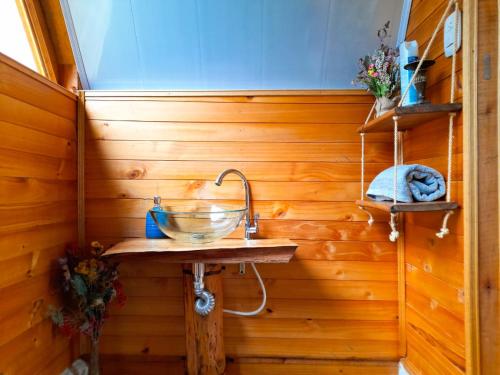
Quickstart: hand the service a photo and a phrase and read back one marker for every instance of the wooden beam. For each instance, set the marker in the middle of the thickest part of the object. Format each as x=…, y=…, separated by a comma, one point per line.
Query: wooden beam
x=39, y=37
x=401, y=286
x=482, y=257
x=204, y=335
x=258, y=93
x=81, y=168
x=471, y=200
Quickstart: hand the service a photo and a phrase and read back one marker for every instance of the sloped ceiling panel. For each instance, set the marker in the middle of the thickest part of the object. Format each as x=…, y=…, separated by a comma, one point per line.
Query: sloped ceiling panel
x=227, y=44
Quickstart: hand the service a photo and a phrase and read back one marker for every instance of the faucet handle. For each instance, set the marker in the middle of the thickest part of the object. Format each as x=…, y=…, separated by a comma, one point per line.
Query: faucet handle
x=255, y=227
x=256, y=218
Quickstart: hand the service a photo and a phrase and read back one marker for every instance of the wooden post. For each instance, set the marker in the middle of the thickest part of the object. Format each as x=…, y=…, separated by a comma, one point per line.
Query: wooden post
x=204, y=335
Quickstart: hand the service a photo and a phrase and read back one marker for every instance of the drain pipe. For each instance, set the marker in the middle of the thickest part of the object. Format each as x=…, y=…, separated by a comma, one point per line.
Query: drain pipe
x=205, y=302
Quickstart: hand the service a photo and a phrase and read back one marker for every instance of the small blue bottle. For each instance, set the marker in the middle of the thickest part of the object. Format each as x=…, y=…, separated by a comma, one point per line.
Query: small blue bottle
x=152, y=230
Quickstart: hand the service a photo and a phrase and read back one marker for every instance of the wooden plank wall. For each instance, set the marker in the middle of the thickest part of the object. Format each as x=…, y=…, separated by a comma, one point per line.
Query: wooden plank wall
x=37, y=215
x=434, y=267
x=337, y=300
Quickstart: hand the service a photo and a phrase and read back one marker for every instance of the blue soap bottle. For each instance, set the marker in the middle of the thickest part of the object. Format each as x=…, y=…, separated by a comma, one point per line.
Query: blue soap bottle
x=152, y=230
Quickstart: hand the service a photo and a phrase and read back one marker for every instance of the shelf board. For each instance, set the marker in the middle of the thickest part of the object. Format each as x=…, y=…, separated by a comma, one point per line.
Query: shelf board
x=221, y=251
x=408, y=207
x=410, y=117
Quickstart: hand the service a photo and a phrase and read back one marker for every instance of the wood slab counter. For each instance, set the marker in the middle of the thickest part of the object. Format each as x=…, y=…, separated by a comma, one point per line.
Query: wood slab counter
x=204, y=334
x=221, y=251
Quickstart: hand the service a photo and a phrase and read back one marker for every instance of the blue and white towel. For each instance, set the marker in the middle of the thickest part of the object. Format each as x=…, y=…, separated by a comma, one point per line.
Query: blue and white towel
x=415, y=182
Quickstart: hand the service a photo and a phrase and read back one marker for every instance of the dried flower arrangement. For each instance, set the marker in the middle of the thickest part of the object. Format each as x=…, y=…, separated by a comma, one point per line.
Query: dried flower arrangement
x=88, y=283
x=379, y=72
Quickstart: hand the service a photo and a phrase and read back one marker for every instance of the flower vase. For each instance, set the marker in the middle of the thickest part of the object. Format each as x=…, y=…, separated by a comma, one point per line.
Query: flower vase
x=94, y=357
x=383, y=105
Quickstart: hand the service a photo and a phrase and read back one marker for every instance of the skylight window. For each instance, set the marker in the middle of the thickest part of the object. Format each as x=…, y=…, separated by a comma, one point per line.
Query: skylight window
x=224, y=44
x=14, y=41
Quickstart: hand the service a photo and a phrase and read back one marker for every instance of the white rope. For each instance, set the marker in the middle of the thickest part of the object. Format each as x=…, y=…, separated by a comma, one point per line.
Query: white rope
x=393, y=236
x=450, y=156
x=426, y=52
x=444, y=227
x=395, y=174
x=370, y=113
x=452, y=100
x=401, y=148
x=371, y=220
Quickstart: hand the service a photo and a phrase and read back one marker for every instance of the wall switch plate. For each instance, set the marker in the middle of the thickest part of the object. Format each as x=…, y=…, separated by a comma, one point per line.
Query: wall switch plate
x=449, y=33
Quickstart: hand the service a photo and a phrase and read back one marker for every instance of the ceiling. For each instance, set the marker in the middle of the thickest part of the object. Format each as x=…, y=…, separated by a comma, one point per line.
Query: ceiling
x=224, y=44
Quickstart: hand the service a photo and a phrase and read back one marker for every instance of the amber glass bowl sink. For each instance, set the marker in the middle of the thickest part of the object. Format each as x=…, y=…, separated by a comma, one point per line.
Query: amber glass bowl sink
x=198, y=224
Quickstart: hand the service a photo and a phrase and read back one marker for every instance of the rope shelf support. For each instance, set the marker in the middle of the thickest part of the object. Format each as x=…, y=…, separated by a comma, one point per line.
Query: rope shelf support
x=393, y=223
x=370, y=216
x=444, y=227
x=371, y=220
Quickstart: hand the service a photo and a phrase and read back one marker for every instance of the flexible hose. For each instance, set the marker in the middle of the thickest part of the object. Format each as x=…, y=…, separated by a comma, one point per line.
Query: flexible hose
x=205, y=303
x=264, y=298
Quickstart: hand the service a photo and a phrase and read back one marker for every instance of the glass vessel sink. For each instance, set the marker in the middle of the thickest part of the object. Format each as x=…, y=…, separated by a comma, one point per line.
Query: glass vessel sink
x=198, y=223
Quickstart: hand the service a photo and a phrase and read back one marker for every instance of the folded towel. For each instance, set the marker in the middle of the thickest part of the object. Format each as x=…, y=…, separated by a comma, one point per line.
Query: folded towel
x=414, y=182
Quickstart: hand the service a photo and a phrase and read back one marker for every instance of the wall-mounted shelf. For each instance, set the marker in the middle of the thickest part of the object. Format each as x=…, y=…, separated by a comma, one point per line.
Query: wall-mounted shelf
x=226, y=250
x=409, y=117
x=408, y=207
x=398, y=120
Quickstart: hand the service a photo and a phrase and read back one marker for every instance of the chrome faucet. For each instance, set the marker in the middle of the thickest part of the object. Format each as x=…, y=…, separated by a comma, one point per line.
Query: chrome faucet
x=249, y=228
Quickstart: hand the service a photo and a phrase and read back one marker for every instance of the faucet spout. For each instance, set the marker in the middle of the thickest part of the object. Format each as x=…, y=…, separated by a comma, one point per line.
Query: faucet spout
x=249, y=228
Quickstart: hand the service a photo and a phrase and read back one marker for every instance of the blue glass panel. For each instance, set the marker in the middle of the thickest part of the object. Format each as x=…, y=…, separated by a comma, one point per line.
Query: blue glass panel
x=295, y=38
x=226, y=44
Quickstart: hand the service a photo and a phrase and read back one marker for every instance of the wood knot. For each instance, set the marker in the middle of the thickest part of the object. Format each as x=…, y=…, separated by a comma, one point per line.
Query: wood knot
x=279, y=213
x=196, y=185
x=410, y=267
x=434, y=304
x=135, y=174
x=145, y=350
x=431, y=242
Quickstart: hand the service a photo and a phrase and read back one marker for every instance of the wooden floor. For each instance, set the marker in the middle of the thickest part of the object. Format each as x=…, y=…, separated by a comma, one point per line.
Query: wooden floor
x=119, y=365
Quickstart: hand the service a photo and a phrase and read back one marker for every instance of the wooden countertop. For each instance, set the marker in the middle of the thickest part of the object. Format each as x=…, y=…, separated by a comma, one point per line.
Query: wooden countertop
x=221, y=251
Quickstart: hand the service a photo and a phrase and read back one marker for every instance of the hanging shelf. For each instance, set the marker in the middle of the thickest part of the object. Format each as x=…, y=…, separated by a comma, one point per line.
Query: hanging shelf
x=409, y=117
x=394, y=208
x=403, y=118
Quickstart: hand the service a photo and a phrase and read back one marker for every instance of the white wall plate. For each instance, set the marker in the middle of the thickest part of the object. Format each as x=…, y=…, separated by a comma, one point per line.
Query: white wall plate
x=449, y=33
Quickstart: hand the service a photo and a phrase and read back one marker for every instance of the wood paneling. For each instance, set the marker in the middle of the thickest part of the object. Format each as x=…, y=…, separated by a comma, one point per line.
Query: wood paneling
x=337, y=299
x=435, y=268
x=37, y=215
x=483, y=218
x=303, y=367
